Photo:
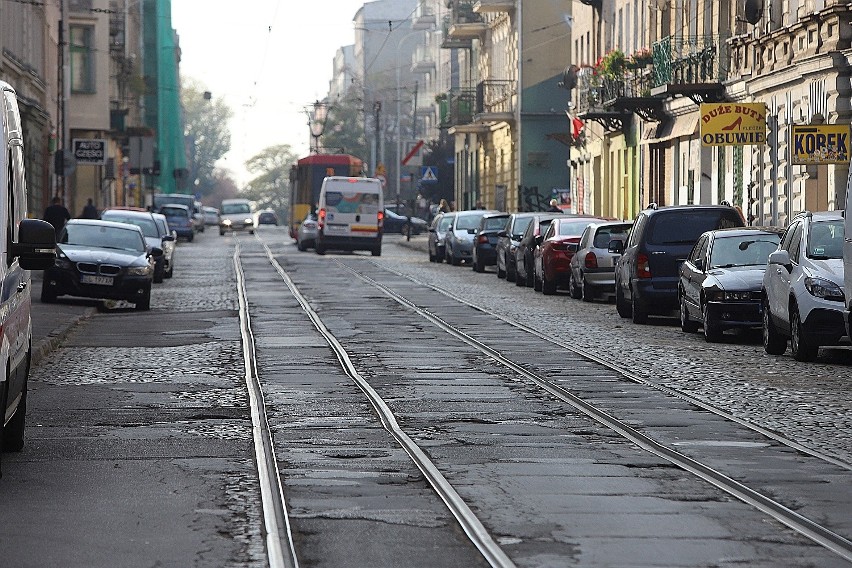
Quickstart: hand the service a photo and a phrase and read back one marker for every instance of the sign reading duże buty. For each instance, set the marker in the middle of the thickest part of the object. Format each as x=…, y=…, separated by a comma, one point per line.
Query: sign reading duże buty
x=815, y=144
x=733, y=124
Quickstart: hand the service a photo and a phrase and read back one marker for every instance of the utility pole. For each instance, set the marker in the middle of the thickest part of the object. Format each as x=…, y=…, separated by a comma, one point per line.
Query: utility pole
x=377, y=108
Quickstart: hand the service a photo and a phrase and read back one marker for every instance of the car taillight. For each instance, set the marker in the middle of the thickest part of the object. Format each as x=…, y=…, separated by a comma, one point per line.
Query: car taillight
x=482, y=239
x=643, y=270
x=591, y=261
x=321, y=218
x=381, y=217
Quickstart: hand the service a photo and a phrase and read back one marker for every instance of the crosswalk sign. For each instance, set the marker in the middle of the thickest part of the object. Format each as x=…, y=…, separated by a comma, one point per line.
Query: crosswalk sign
x=429, y=174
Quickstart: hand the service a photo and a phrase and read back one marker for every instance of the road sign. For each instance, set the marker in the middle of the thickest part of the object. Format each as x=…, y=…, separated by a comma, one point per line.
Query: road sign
x=89, y=151
x=820, y=144
x=411, y=154
x=382, y=178
x=429, y=174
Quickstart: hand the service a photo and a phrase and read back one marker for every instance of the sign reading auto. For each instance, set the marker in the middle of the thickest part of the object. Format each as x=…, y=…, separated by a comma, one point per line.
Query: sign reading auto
x=733, y=124
x=820, y=144
x=89, y=151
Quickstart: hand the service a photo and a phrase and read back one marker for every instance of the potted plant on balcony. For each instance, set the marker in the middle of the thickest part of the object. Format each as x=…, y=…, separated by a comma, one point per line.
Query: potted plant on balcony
x=611, y=65
x=640, y=59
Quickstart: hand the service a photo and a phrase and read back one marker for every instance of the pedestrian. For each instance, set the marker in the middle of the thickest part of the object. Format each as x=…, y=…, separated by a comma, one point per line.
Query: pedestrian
x=554, y=207
x=89, y=211
x=56, y=214
x=443, y=206
x=479, y=205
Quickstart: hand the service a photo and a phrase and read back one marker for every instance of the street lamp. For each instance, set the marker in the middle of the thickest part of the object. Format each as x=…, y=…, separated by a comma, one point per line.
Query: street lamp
x=316, y=122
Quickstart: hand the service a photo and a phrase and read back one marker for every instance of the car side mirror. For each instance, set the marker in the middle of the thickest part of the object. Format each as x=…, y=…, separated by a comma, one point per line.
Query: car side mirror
x=36, y=246
x=699, y=264
x=616, y=246
x=539, y=239
x=156, y=252
x=169, y=238
x=781, y=257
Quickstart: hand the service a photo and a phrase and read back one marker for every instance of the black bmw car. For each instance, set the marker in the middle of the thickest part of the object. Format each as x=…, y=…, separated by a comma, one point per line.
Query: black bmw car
x=720, y=282
x=101, y=260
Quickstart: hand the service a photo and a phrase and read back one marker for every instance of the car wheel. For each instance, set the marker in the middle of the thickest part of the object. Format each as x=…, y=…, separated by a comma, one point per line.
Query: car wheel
x=573, y=290
x=622, y=306
x=13, y=433
x=803, y=350
x=639, y=314
x=431, y=256
x=479, y=266
x=221, y=234
x=159, y=272
x=48, y=296
x=500, y=272
x=548, y=288
x=190, y=237
x=537, y=282
x=588, y=291
x=686, y=323
x=251, y=232
x=439, y=256
x=511, y=275
x=403, y=230
x=143, y=304
x=520, y=281
x=320, y=249
x=773, y=342
x=376, y=251
x=301, y=246
x=712, y=331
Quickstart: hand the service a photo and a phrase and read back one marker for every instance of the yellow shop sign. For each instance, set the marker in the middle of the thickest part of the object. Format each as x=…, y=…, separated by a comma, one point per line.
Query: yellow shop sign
x=733, y=124
x=820, y=144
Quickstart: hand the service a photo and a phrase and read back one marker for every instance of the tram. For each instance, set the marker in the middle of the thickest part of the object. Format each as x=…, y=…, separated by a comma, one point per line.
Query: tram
x=306, y=181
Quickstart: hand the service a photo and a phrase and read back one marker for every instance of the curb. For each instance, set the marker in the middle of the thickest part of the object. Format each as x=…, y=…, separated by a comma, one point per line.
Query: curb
x=46, y=345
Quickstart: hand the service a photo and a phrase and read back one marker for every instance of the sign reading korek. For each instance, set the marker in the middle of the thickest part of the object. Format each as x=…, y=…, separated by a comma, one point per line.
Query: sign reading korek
x=89, y=151
x=733, y=124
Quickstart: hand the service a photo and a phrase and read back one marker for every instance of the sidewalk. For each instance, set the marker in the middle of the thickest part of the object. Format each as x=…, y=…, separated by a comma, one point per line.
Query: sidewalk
x=52, y=322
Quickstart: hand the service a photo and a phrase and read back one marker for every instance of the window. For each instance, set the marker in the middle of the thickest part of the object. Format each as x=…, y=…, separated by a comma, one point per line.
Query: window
x=795, y=241
x=82, y=59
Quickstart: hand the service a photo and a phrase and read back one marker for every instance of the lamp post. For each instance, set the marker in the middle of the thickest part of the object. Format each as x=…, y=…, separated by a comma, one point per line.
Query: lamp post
x=398, y=167
x=317, y=116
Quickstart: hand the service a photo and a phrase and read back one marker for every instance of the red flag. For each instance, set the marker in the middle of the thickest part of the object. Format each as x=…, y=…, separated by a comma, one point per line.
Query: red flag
x=576, y=127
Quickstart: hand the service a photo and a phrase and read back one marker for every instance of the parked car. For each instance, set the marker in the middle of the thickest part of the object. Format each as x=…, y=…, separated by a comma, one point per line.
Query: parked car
x=524, y=261
x=592, y=271
x=437, y=235
x=179, y=219
x=396, y=223
x=720, y=281
x=507, y=244
x=155, y=237
x=101, y=259
x=554, y=250
x=485, y=240
x=307, y=236
x=646, y=275
x=198, y=216
x=803, y=295
x=211, y=215
x=169, y=245
x=267, y=217
x=458, y=242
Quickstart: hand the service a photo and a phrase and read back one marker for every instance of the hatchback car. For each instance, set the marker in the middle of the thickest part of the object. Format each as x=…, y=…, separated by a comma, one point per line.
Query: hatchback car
x=720, y=281
x=803, y=296
x=459, y=239
x=179, y=219
x=507, y=244
x=155, y=236
x=437, y=236
x=646, y=275
x=554, y=251
x=592, y=272
x=307, y=236
x=396, y=223
x=211, y=215
x=267, y=217
x=524, y=260
x=485, y=240
x=103, y=260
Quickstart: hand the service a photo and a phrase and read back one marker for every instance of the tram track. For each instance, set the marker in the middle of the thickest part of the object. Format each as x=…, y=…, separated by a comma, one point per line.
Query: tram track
x=472, y=527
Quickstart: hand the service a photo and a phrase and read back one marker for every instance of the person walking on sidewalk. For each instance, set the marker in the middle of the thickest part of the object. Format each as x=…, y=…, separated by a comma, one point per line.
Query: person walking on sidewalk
x=89, y=211
x=56, y=214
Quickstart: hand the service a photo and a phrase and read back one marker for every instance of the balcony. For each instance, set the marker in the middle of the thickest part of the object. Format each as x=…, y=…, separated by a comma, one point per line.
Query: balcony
x=495, y=101
x=422, y=60
x=456, y=107
x=465, y=24
x=597, y=96
x=494, y=6
x=448, y=42
x=691, y=66
x=424, y=18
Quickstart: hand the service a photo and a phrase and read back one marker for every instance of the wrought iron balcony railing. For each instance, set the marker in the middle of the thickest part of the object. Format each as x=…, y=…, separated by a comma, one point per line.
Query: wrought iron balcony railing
x=456, y=107
x=691, y=59
x=495, y=96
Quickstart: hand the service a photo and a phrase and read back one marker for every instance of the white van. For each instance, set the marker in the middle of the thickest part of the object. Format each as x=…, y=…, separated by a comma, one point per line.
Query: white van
x=350, y=214
x=236, y=215
x=25, y=244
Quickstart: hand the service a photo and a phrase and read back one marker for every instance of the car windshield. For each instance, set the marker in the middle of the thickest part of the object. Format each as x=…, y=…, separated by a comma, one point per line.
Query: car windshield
x=235, y=208
x=742, y=250
x=606, y=234
x=174, y=212
x=102, y=236
x=521, y=226
x=573, y=228
x=825, y=240
x=684, y=227
x=494, y=223
x=149, y=229
x=465, y=222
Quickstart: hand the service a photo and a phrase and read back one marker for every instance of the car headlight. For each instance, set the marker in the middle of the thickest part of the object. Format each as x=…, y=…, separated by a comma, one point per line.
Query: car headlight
x=822, y=288
x=226, y=222
x=62, y=263
x=248, y=221
x=139, y=270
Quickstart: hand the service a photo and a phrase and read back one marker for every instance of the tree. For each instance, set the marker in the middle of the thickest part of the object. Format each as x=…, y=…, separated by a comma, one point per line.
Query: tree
x=207, y=135
x=344, y=129
x=440, y=153
x=270, y=188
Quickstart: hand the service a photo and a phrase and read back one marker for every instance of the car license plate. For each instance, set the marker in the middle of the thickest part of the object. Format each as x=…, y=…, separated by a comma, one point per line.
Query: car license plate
x=98, y=280
x=336, y=228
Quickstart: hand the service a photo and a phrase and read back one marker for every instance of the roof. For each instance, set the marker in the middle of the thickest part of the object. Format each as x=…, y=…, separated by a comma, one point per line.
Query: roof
x=127, y=212
x=737, y=231
x=102, y=223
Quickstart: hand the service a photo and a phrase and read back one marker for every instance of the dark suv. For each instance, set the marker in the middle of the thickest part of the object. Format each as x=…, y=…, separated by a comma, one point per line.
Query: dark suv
x=646, y=275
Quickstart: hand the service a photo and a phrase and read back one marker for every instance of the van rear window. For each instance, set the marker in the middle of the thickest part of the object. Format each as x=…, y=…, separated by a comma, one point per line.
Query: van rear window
x=684, y=227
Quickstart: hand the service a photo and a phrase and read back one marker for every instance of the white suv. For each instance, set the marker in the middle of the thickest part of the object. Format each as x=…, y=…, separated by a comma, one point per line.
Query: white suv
x=803, y=287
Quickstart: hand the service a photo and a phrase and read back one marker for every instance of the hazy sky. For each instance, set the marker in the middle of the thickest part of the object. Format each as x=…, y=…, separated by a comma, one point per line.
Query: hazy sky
x=268, y=59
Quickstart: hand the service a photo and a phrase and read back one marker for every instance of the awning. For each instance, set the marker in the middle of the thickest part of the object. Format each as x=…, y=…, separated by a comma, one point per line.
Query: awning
x=677, y=127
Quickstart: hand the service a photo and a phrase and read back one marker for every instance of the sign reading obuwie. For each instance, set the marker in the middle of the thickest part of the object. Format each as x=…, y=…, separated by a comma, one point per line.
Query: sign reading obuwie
x=733, y=124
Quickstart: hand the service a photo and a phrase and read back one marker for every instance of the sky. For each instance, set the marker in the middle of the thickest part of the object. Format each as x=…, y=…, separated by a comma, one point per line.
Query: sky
x=268, y=60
